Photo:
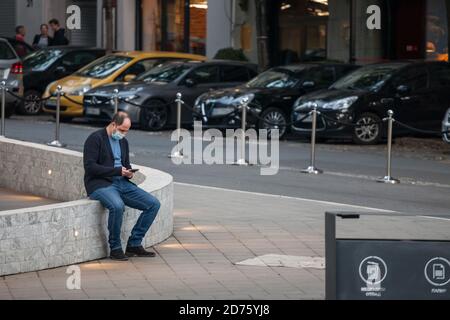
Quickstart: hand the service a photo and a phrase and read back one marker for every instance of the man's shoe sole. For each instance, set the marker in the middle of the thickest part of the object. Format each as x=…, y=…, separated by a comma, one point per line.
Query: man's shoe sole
x=118, y=259
x=131, y=255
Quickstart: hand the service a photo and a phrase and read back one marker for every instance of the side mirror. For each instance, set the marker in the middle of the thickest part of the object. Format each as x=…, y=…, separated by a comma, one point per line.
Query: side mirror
x=403, y=89
x=308, y=84
x=190, y=83
x=129, y=77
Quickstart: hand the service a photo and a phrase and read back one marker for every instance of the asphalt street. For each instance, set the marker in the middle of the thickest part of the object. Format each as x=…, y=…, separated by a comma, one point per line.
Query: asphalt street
x=349, y=178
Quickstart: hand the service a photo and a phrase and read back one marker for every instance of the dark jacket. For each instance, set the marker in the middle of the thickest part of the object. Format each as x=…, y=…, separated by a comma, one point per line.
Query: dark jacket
x=59, y=38
x=38, y=37
x=98, y=161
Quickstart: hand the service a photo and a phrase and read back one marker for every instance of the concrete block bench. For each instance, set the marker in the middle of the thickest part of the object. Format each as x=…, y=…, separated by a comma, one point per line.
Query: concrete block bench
x=74, y=230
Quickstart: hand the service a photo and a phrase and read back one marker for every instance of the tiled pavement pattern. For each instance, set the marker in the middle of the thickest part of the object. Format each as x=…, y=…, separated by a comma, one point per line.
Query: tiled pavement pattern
x=213, y=230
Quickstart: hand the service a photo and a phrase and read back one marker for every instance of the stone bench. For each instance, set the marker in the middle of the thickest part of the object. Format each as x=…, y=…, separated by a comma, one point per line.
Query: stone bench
x=74, y=230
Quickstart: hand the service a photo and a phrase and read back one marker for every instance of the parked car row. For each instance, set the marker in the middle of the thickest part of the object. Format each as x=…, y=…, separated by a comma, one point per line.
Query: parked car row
x=352, y=100
x=149, y=98
x=352, y=107
x=114, y=68
x=271, y=95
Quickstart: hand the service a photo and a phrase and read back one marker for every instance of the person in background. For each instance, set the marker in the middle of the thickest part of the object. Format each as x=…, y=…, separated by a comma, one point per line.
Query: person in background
x=19, y=47
x=20, y=33
x=59, y=37
x=42, y=40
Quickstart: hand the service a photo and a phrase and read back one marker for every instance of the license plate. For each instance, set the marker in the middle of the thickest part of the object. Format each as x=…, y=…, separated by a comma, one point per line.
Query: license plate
x=51, y=103
x=93, y=111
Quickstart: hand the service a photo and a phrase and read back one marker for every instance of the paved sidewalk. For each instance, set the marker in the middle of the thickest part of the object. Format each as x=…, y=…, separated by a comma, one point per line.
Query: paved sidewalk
x=214, y=229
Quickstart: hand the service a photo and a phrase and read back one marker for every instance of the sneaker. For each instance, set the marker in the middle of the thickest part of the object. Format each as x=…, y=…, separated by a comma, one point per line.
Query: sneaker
x=118, y=255
x=139, y=252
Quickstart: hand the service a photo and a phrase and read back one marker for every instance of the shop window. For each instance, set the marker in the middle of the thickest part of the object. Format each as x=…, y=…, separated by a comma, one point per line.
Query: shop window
x=204, y=75
x=437, y=30
x=303, y=30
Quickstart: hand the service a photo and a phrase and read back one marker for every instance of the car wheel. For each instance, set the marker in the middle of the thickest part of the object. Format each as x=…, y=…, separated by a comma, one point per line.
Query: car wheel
x=368, y=129
x=273, y=118
x=32, y=105
x=154, y=116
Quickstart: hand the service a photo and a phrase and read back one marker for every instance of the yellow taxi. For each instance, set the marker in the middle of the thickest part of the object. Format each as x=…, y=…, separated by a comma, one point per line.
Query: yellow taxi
x=116, y=67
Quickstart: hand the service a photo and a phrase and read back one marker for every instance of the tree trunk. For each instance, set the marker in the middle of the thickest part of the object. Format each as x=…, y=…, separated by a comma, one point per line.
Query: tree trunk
x=261, y=34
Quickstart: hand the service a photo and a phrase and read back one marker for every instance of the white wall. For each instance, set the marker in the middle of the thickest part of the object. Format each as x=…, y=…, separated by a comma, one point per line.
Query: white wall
x=99, y=23
x=126, y=26
x=218, y=26
x=246, y=20
x=55, y=9
x=30, y=17
x=338, y=31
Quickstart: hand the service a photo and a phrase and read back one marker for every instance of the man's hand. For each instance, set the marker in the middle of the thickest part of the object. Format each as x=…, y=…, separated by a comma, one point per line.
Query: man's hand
x=126, y=173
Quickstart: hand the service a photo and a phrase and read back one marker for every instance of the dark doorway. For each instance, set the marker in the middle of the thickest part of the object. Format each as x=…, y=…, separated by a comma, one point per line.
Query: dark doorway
x=409, y=25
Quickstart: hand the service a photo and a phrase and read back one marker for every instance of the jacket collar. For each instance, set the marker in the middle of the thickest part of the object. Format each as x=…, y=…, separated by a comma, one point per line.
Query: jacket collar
x=108, y=145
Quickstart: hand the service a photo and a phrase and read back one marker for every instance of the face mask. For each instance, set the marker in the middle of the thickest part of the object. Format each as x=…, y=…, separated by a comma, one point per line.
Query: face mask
x=117, y=136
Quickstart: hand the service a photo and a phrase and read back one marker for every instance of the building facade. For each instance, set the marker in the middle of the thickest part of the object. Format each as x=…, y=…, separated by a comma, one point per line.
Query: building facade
x=296, y=29
x=32, y=13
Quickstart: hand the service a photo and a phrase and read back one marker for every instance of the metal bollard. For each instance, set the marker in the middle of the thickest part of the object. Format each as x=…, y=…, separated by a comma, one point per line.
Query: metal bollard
x=3, y=84
x=244, y=106
x=116, y=101
x=178, y=154
x=312, y=168
x=388, y=178
x=56, y=142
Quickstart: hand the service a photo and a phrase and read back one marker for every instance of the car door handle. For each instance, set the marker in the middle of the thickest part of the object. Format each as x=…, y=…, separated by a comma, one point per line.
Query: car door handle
x=387, y=100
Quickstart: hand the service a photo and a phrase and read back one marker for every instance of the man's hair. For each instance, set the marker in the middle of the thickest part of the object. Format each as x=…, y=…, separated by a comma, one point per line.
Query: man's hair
x=119, y=118
x=18, y=28
x=54, y=21
x=44, y=25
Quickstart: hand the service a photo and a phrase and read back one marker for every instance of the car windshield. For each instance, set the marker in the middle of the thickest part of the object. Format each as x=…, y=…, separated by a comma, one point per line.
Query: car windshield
x=370, y=78
x=41, y=60
x=164, y=73
x=104, y=67
x=275, y=78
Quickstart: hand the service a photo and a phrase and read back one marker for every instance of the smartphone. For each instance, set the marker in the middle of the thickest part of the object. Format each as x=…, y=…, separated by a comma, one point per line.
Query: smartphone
x=133, y=170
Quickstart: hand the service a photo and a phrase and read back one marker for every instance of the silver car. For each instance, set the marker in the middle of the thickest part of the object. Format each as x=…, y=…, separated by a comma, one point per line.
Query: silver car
x=11, y=71
x=446, y=127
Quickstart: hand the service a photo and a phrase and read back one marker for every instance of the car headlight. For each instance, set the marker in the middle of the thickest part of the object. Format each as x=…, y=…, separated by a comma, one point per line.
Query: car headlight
x=240, y=99
x=80, y=91
x=130, y=97
x=223, y=111
x=198, y=100
x=342, y=104
x=306, y=106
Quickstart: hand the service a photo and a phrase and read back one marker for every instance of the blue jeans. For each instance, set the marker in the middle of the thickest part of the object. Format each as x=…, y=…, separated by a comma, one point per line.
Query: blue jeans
x=114, y=198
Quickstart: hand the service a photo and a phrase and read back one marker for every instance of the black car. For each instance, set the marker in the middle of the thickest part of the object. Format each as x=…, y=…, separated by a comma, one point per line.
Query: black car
x=271, y=96
x=47, y=65
x=446, y=127
x=21, y=48
x=353, y=107
x=149, y=99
